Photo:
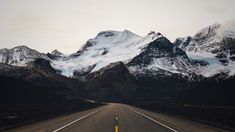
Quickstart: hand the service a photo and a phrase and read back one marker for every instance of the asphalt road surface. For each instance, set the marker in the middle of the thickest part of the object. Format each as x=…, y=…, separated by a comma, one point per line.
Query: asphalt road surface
x=114, y=118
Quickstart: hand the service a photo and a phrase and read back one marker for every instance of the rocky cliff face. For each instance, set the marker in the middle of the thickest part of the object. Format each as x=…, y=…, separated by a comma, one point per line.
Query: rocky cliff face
x=161, y=57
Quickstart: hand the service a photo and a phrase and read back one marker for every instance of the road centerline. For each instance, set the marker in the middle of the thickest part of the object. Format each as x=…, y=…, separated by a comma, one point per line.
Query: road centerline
x=116, y=120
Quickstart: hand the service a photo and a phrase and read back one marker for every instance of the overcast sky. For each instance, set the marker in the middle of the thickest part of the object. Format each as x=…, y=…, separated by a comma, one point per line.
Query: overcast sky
x=67, y=24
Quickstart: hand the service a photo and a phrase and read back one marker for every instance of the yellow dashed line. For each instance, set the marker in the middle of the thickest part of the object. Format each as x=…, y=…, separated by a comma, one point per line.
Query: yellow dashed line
x=116, y=122
x=116, y=128
x=116, y=116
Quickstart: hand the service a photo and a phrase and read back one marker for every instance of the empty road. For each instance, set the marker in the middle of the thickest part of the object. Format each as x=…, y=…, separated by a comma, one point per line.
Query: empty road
x=106, y=121
x=114, y=118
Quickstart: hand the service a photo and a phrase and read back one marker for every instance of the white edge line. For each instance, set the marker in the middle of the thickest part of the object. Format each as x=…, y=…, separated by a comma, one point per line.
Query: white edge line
x=152, y=119
x=77, y=120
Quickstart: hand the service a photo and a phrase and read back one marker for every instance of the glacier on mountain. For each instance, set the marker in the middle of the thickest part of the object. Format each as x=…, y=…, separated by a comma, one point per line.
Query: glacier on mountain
x=107, y=47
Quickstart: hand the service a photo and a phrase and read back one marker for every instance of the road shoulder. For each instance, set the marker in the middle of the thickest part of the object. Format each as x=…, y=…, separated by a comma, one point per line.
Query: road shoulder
x=54, y=123
x=177, y=123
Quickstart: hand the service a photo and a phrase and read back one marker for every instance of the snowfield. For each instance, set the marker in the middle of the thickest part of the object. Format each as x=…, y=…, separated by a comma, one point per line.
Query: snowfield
x=107, y=47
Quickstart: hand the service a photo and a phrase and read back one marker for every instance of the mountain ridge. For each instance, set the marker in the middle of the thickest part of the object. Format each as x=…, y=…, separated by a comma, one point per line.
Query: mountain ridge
x=208, y=49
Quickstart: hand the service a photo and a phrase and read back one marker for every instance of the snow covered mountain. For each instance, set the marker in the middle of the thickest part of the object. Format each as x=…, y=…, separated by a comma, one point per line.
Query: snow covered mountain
x=107, y=47
x=214, y=45
x=113, y=46
x=20, y=55
x=209, y=52
x=161, y=57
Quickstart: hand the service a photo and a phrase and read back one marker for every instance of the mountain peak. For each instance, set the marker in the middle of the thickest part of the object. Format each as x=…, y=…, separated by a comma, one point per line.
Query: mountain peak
x=213, y=45
x=56, y=52
x=19, y=55
x=110, y=33
x=129, y=33
x=208, y=31
x=219, y=30
x=154, y=33
x=151, y=32
x=107, y=33
x=107, y=47
x=21, y=47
